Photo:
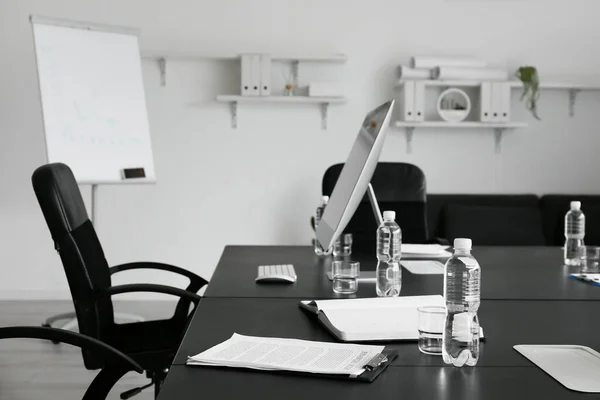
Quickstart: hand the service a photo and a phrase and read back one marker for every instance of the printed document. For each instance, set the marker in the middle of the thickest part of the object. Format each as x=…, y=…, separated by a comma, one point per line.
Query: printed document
x=288, y=354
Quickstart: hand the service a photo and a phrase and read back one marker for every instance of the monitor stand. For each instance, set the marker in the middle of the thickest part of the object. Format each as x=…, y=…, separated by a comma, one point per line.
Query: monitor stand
x=374, y=205
x=368, y=276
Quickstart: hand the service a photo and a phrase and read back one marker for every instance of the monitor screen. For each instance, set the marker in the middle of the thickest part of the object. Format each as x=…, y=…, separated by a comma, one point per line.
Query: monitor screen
x=355, y=176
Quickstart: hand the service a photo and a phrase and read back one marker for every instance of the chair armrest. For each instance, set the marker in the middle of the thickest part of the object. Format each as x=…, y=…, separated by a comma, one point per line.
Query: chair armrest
x=72, y=338
x=196, y=282
x=149, y=287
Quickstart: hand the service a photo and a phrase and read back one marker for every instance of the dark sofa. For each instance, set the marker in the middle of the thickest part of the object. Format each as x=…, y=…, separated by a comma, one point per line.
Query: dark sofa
x=519, y=219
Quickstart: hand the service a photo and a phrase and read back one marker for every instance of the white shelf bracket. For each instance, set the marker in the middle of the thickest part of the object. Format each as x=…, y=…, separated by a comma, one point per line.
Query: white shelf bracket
x=234, y=114
x=324, y=112
x=162, y=66
x=572, y=99
x=409, y=138
x=498, y=140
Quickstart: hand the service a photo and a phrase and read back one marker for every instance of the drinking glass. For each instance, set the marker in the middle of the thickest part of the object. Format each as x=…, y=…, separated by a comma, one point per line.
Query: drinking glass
x=590, y=259
x=343, y=246
x=345, y=276
x=431, y=328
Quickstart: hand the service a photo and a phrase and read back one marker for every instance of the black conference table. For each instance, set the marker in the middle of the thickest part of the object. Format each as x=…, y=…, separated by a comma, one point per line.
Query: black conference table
x=526, y=299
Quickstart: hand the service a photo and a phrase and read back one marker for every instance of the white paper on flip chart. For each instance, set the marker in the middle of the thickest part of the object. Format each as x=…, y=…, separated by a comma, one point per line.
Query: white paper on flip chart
x=288, y=354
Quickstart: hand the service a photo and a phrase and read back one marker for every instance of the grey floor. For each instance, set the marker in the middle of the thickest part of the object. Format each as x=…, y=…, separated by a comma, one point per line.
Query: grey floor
x=35, y=369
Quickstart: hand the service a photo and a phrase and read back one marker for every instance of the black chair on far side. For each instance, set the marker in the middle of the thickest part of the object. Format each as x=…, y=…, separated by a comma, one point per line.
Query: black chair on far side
x=399, y=187
x=117, y=364
x=152, y=344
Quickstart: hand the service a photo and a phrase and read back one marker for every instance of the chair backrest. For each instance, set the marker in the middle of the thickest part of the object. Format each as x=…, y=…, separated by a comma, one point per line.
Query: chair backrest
x=77, y=243
x=399, y=187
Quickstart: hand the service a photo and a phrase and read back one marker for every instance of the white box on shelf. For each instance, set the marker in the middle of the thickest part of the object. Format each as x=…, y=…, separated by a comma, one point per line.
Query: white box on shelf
x=246, y=70
x=265, y=75
x=255, y=82
x=325, y=89
x=407, y=101
x=485, y=102
x=419, y=102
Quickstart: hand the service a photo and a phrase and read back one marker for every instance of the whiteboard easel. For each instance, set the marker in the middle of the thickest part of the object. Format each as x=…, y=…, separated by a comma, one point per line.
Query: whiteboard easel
x=93, y=101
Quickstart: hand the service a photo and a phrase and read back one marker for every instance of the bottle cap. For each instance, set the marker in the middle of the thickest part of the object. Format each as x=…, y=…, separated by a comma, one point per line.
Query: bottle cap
x=462, y=244
x=389, y=215
x=575, y=205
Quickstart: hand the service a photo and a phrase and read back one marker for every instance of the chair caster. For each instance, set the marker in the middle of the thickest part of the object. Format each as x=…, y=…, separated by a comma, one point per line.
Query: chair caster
x=46, y=325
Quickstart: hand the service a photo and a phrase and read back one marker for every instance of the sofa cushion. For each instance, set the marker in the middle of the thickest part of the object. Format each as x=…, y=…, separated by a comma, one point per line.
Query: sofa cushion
x=494, y=226
x=437, y=202
x=555, y=206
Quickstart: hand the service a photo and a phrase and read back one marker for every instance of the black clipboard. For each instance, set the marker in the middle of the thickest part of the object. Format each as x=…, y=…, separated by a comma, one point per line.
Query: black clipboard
x=367, y=376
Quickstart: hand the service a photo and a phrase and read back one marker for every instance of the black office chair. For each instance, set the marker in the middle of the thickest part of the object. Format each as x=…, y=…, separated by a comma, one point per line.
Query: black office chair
x=152, y=344
x=399, y=187
x=117, y=364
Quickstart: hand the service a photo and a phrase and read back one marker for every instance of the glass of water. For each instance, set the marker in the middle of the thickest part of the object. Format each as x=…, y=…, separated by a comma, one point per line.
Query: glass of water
x=590, y=259
x=345, y=276
x=343, y=246
x=431, y=328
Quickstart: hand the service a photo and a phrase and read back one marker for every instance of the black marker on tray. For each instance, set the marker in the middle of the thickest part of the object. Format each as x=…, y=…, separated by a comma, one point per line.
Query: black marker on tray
x=132, y=173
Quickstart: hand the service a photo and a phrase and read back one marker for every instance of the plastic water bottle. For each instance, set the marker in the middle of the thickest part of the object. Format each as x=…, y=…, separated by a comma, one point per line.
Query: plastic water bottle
x=574, y=233
x=389, y=240
x=319, y=214
x=462, y=281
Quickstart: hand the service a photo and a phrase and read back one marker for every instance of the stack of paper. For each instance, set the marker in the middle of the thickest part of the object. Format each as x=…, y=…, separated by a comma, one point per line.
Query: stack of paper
x=381, y=318
x=423, y=267
x=277, y=354
x=425, y=251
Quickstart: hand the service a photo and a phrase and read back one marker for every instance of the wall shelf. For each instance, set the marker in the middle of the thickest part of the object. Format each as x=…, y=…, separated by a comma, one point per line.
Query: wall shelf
x=513, y=84
x=498, y=128
x=196, y=56
x=323, y=102
x=161, y=58
x=573, y=88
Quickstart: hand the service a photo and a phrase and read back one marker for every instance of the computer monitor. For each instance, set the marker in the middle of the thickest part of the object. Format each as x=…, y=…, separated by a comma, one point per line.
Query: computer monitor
x=355, y=176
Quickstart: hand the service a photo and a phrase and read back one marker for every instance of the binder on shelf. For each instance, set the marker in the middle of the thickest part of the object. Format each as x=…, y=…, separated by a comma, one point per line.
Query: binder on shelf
x=497, y=101
x=485, y=102
x=255, y=76
x=246, y=70
x=407, y=101
x=506, y=103
x=265, y=75
x=419, y=104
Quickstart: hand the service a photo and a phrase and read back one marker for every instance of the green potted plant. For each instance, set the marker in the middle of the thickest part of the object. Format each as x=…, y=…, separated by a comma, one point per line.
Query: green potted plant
x=531, y=88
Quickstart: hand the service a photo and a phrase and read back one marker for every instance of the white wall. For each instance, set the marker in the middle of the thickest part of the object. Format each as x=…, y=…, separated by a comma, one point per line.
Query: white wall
x=259, y=184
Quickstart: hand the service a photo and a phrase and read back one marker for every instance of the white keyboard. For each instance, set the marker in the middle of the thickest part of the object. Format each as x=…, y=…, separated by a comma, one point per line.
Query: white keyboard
x=284, y=273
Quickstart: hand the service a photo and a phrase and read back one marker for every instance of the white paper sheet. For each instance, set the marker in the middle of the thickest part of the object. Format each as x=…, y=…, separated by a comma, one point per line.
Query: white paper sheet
x=423, y=267
x=288, y=354
x=424, y=249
